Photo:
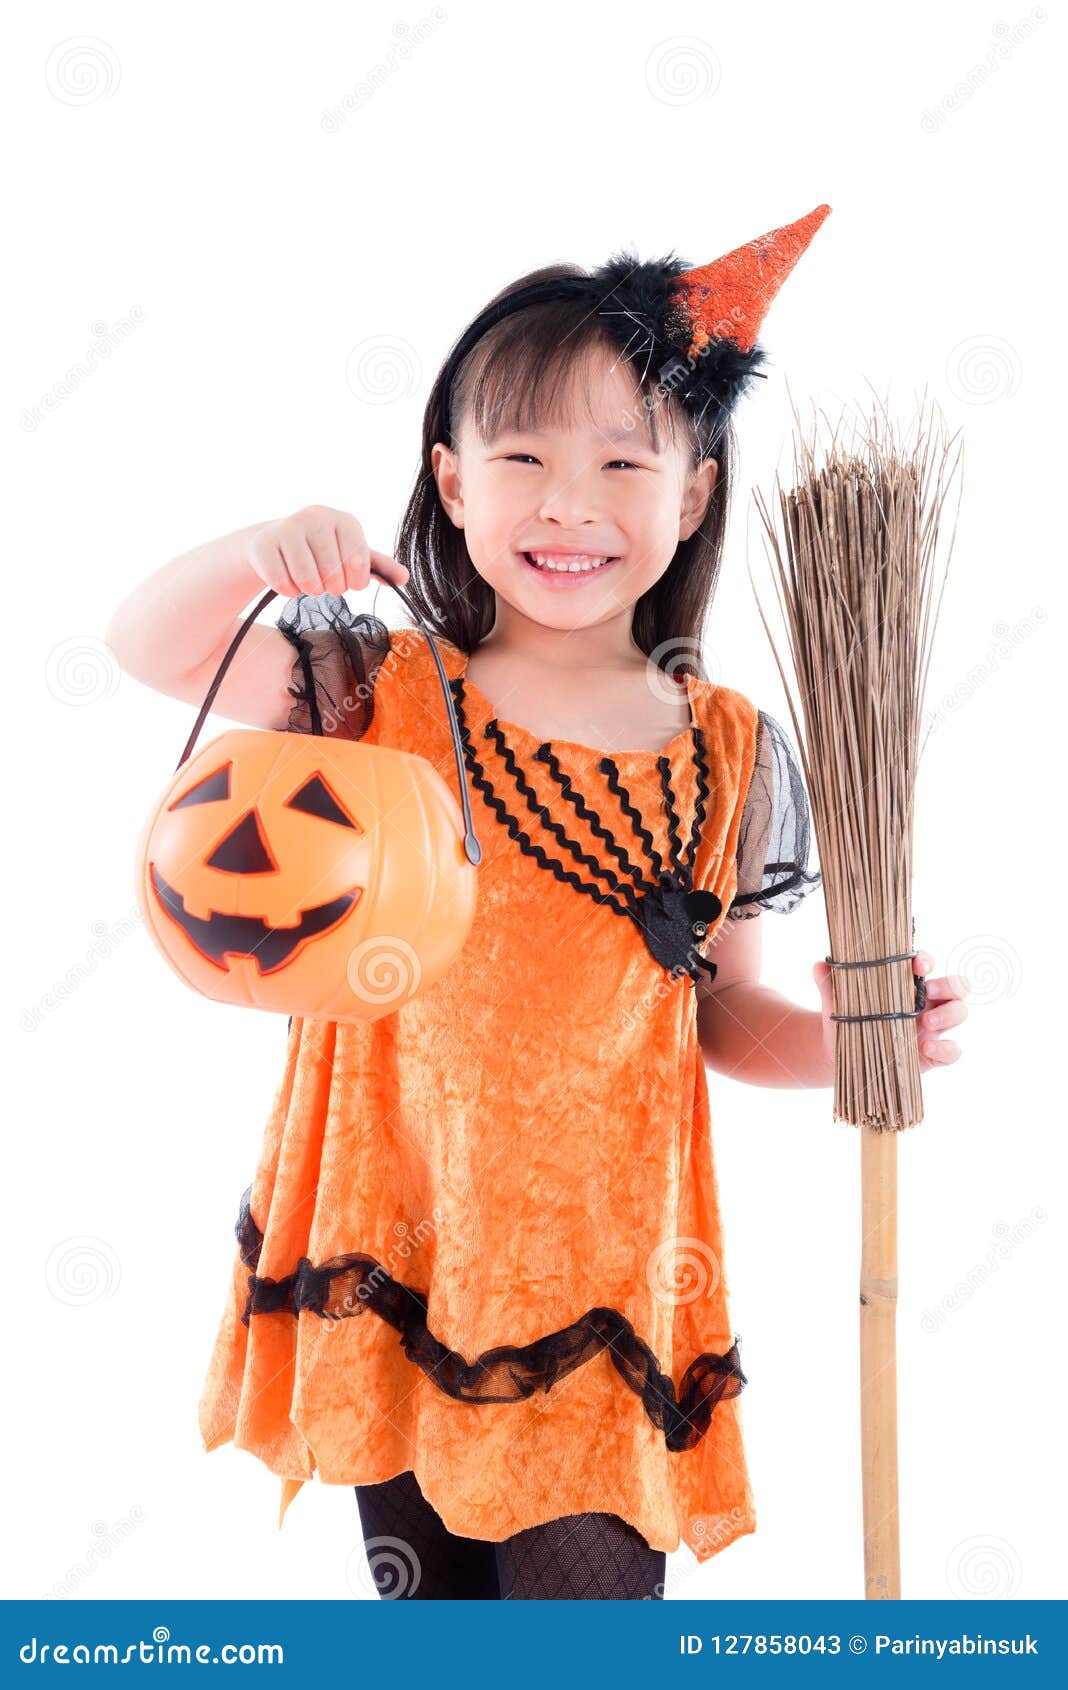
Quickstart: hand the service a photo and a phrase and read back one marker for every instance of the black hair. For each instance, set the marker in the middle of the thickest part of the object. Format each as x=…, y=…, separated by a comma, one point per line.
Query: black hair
x=512, y=377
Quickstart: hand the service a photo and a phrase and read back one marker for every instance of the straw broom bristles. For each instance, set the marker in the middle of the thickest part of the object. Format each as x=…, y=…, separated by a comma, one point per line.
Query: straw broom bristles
x=855, y=576
x=854, y=573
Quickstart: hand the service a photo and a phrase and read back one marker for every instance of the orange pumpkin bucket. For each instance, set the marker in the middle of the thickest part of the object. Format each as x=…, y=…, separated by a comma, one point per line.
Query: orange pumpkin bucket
x=305, y=874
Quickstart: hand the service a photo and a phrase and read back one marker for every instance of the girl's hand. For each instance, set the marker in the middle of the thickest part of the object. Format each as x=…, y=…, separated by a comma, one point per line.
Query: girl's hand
x=944, y=1009
x=318, y=550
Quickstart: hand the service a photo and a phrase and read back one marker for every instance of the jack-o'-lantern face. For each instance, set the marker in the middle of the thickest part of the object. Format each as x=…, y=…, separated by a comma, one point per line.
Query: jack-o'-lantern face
x=298, y=873
x=245, y=848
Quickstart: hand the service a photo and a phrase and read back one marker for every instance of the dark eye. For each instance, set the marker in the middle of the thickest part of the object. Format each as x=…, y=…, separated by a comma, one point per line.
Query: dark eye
x=316, y=799
x=517, y=457
x=207, y=791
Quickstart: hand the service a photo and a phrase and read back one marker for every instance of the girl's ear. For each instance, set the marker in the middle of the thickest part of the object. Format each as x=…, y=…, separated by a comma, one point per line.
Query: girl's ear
x=446, y=469
x=699, y=490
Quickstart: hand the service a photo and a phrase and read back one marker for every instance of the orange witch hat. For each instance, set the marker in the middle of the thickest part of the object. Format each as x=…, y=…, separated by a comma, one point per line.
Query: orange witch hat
x=729, y=298
x=695, y=330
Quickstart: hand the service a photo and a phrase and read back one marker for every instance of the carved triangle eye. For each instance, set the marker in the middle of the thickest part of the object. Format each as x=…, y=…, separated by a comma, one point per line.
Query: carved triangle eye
x=207, y=791
x=316, y=799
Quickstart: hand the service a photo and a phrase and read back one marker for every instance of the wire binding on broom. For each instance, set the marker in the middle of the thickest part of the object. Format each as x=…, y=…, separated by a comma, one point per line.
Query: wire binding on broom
x=886, y=1014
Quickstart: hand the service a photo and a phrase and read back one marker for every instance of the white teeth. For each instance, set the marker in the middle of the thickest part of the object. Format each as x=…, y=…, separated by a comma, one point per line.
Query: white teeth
x=567, y=566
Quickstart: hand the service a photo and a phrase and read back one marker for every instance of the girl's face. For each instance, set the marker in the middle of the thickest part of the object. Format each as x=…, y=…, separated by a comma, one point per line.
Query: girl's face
x=572, y=522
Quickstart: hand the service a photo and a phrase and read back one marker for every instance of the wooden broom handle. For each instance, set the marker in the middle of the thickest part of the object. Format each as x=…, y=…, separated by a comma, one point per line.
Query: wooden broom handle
x=878, y=1363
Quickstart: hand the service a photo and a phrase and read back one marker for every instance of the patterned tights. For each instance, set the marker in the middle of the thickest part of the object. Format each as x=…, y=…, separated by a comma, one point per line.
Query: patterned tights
x=582, y=1557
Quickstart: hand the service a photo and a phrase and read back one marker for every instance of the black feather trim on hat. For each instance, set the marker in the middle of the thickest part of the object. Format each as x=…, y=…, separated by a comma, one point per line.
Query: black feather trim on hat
x=654, y=331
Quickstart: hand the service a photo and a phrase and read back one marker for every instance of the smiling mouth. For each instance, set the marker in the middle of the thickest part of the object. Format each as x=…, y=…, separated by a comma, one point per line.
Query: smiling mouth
x=570, y=564
x=222, y=935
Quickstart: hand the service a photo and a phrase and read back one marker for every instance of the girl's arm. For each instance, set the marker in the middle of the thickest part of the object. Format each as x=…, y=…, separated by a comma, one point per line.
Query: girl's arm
x=749, y=1032
x=173, y=630
x=754, y=1034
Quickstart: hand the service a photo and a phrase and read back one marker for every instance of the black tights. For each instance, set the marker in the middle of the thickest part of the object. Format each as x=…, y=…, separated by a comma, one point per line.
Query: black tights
x=412, y=1554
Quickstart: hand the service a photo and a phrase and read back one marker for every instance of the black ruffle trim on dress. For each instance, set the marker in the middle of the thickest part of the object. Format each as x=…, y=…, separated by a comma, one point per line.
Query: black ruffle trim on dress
x=338, y=655
x=350, y=1284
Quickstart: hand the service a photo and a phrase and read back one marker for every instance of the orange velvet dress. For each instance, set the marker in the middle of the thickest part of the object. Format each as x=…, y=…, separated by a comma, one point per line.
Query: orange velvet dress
x=483, y=1240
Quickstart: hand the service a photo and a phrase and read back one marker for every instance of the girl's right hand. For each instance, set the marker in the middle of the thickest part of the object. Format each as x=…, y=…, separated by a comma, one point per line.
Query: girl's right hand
x=318, y=550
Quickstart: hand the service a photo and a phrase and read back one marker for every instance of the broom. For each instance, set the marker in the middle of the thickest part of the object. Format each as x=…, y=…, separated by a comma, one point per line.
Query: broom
x=854, y=571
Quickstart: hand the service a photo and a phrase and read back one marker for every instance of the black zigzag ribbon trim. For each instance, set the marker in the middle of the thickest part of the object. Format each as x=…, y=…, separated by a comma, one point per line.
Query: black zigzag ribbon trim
x=618, y=790
x=545, y=754
x=348, y=1285
x=673, y=885
x=548, y=821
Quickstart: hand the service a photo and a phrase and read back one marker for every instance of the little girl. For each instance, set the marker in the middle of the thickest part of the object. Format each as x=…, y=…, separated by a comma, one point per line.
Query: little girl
x=480, y=1269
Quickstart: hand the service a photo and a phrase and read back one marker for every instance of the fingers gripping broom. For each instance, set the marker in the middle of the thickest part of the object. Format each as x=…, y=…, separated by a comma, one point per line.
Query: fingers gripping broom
x=854, y=568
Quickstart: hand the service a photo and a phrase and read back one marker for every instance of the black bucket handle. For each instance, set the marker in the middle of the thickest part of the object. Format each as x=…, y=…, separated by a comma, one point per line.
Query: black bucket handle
x=472, y=849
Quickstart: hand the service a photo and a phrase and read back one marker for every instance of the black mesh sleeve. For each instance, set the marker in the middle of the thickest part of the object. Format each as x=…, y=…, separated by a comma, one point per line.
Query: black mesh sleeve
x=775, y=832
x=337, y=655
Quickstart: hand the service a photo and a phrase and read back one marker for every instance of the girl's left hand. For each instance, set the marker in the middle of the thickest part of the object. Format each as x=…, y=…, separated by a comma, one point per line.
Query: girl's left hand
x=944, y=1008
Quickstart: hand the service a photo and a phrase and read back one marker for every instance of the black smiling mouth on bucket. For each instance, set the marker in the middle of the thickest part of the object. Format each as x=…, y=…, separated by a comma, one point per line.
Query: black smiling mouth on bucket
x=219, y=935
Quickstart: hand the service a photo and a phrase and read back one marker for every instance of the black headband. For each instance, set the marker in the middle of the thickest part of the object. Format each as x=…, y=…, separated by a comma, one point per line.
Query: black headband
x=645, y=322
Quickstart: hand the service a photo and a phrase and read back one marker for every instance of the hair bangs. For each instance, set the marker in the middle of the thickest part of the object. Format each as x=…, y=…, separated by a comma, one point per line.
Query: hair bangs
x=531, y=372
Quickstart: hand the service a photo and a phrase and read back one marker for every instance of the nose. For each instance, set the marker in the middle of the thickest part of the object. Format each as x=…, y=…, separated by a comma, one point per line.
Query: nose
x=244, y=849
x=572, y=501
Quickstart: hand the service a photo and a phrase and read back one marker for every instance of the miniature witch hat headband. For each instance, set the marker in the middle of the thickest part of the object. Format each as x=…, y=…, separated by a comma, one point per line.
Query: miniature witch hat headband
x=696, y=328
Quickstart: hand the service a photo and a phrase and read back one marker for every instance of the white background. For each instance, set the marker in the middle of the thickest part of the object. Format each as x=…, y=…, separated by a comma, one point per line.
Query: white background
x=212, y=222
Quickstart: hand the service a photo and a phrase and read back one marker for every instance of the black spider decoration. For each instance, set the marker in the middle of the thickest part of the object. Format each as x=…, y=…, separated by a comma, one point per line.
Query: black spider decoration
x=674, y=922
x=672, y=915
